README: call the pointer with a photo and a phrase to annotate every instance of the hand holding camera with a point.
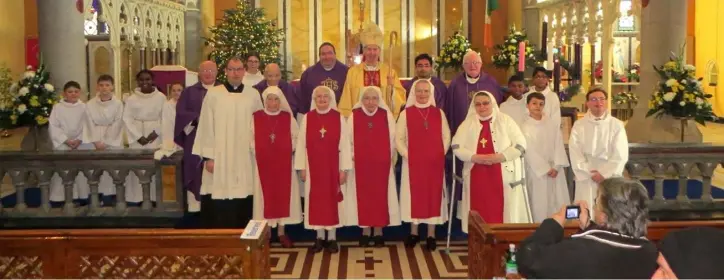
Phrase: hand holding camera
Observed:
(578, 211)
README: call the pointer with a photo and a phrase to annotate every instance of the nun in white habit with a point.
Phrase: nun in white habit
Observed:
(422, 137)
(372, 134)
(490, 144)
(269, 147)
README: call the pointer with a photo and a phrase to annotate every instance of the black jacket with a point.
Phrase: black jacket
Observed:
(593, 253)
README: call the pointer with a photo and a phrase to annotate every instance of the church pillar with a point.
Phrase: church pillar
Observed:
(659, 17)
(208, 19)
(194, 44)
(62, 42)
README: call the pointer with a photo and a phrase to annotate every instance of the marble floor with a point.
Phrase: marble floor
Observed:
(393, 261)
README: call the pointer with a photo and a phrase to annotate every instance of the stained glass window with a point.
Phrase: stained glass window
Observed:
(94, 23)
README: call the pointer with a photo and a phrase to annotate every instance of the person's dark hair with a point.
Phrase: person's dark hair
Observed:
(605, 94)
(326, 44)
(176, 83)
(146, 71)
(626, 205)
(105, 78)
(252, 55)
(515, 78)
(536, 95)
(540, 69)
(423, 56)
(71, 84)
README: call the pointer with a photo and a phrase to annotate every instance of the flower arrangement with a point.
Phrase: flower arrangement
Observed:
(7, 99)
(626, 98)
(598, 74)
(506, 55)
(679, 94)
(452, 52)
(34, 98)
(634, 72)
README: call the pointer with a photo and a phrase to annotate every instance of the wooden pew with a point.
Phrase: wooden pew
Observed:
(133, 254)
(488, 243)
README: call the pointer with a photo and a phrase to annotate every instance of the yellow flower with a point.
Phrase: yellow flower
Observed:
(51, 101)
(13, 117)
(34, 102)
(670, 65)
(41, 120)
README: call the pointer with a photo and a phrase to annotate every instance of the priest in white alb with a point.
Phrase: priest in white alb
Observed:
(223, 141)
(598, 147)
(422, 137)
(372, 181)
(490, 145)
(545, 160)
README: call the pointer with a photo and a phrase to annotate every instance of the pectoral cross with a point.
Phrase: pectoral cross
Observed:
(369, 125)
(425, 124)
(272, 137)
(322, 131)
(483, 142)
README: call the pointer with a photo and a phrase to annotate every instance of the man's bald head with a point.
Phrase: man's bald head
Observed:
(207, 72)
(272, 74)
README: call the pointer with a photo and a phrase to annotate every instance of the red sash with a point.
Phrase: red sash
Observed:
(372, 160)
(426, 161)
(323, 157)
(273, 160)
(486, 182)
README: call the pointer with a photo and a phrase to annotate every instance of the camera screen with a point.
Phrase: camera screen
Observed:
(572, 212)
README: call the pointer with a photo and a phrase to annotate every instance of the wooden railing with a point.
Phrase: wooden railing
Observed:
(133, 254)
(487, 243)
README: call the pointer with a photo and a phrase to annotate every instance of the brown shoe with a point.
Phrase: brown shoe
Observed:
(286, 242)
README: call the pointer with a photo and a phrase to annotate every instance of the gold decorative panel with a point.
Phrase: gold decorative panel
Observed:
(161, 267)
(393, 22)
(330, 23)
(425, 29)
(453, 16)
(21, 267)
(300, 26)
(271, 9)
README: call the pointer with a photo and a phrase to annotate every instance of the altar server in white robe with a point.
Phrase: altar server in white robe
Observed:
(490, 145)
(545, 160)
(66, 132)
(223, 141)
(104, 126)
(142, 119)
(323, 159)
(553, 104)
(515, 105)
(276, 192)
(598, 147)
(422, 137)
(371, 182)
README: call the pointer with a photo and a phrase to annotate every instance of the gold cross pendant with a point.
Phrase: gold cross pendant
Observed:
(272, 137)
(483, 142)
(322, 131)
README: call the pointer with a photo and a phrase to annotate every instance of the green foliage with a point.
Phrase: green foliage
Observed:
(34, 98)
(452, 53)
(506, 55)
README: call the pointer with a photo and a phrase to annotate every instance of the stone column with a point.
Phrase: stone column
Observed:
(659, 17)
(194, 44)
(62, 42)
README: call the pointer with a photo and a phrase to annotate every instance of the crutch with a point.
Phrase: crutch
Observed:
(452, 199)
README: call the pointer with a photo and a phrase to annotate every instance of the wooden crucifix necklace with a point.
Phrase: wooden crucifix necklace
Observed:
(424, 117)
(322, 131)
(273, 135)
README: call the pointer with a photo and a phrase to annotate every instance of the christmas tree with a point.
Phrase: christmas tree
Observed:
(245, 30)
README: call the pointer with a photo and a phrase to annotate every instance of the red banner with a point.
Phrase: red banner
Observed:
(32, 52)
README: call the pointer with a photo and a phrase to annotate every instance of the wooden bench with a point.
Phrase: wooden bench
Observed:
(488, 243)
(133, 254)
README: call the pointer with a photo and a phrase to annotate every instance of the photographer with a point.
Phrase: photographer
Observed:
(612, 245)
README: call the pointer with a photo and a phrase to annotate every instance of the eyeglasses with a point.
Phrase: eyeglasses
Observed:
(476, 63)
(207, 71)
(235, 69)
(597, 99)
(484, 103)
(253, 61)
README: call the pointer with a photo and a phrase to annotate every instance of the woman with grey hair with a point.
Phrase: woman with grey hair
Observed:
(611, 245)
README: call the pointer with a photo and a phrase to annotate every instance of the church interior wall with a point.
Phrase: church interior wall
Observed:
(709, 45)
(13, 33)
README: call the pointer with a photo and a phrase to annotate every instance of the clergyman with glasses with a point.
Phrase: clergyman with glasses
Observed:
(223, 141)
(188, 109)
(598, 146)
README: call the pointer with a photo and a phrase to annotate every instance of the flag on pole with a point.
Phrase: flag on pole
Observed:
(488, 30)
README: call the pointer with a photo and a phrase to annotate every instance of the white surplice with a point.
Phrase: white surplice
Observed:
(508, 141)
(251, 80)
(223, 135)
(350, 199)
(596, 144)
(104, 123)
(301, 161)
(66, 123)
(515, 109)
(168, 120)
(545, 152)
(402, 144)
(295, 205)
(552, 106)
(142, 116)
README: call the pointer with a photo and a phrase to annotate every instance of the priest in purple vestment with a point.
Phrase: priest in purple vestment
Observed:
(461, 89)
(328, 72)
(188, 109)
(423, 70)
(273, 77)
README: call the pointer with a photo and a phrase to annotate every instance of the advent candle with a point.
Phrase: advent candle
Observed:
(544, 40)
(578, 60)
(549, 59)
(556, 76)
(521, 56)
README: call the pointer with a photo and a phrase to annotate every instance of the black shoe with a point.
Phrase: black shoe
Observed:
(378, 241)
(412, 240)
(332, 246)
(431, 243)
(318, 245)
(364, 241)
